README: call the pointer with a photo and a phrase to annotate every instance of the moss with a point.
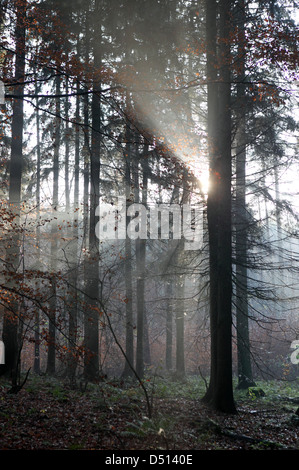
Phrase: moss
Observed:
(256, 392)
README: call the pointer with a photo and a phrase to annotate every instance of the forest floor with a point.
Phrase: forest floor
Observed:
(47, 414)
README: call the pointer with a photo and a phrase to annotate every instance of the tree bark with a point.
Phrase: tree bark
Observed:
(220, 392)
(212, 203)
(129, 363)
(10, 321)
(180, 326)
(74, 274)
(169, 325)
(38, 234)
(51, 359)
(245, 379)
(91, 359)
(140, 283)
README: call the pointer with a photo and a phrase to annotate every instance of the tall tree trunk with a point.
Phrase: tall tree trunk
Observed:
(10, 321)
(38, 234)
(51, 359)
(245, 379)
(91, 334)
(180, 301)
(223, 393)
(86, 153)
(279, 236)
(212, 203)
(129, 363)
(67, 150)
(92, 287)
(140, 268)
(220, 392)
(145, 173)
(73, 306)
(86, 144)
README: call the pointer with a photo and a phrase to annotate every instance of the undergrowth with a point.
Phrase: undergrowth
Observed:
(115, 412)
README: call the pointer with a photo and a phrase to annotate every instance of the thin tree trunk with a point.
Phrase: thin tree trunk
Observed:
(91, 359)
(51, 359)
(245, 379)
(67, 152)
(169, 326)
(280, 260)
(140, 268)
(180, 326)
(129, 363)
(129, 311)
(180, 303)
(73, 307)
(38, 235)
(146, 345)
(86, 145)
(92, 288)
(10, 321)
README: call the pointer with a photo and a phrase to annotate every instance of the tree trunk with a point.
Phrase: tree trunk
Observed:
(169, 326)
(129, 363)
(220, 393)
(38, 235)
(92, 288)
(245, 379)
(180, 326)
(145, 172)
(212, 204)
(51, 359)
(86, 145)
(91, 359)
(140, 268)
(67, 151)
(74, 275)
(180, 302)
(10, 321)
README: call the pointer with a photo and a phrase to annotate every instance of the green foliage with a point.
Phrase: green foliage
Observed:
(255, 392)
(275, 389)
(190, 388)
(59, 393)
(77, 446)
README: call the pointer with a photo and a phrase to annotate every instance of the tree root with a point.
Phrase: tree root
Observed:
(16, 388)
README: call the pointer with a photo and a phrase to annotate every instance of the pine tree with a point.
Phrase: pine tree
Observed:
(220, 394)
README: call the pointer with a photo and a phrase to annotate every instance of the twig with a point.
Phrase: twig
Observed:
(203, 378)
(17, 388)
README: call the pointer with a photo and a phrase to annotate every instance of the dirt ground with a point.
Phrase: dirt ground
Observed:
(52, 419)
